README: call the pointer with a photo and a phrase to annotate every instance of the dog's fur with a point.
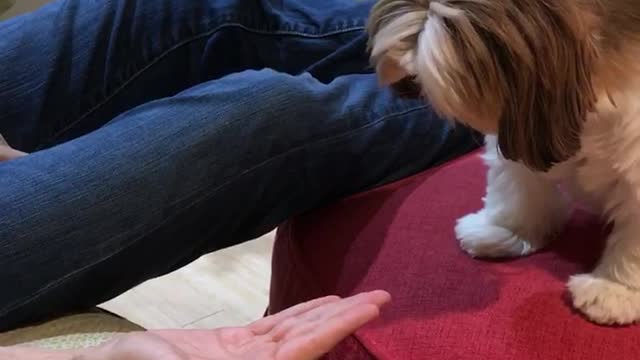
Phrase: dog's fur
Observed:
(555, 85)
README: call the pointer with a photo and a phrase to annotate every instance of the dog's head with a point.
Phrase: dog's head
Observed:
(521, 69)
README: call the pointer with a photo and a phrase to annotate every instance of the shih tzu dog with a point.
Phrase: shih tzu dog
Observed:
(552, 84)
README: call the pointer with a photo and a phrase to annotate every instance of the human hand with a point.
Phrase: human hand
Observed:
(303, 332)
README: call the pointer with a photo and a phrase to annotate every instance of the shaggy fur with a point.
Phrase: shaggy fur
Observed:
(553, 85)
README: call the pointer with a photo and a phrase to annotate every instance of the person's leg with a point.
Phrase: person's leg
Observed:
(216, 165)
(166, 182)
(73, 65)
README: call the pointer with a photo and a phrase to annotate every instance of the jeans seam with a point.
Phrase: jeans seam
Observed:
(206, 197)
(185, 42)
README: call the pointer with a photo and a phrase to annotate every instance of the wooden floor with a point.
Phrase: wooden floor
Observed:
(227, 288)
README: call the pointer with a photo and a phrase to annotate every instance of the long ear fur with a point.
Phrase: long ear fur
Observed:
(546, 104)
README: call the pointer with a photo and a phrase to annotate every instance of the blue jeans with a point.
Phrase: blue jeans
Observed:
(163, 130)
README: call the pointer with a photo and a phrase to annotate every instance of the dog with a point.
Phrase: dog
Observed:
(554, 85)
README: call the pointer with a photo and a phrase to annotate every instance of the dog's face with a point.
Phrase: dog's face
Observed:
(521, 69)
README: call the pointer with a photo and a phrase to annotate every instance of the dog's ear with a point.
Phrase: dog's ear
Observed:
(547, 100)
(389, 71)
(393, 28)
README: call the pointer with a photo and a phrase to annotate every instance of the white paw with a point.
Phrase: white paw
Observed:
(604, 301)
(480, 238)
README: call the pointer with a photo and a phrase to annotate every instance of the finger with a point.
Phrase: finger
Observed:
(266, 324)
(321, 314)
(321, 339)
(377, 298)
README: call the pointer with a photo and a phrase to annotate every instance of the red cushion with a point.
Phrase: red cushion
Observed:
(445, 304)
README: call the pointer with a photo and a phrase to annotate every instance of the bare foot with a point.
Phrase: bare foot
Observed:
(8, 153)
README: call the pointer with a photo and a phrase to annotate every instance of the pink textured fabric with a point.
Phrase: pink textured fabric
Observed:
(446, 305)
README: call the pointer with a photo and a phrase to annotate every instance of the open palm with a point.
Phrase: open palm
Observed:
(303, 332)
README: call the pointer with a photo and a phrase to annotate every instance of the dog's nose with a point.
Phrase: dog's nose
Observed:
(407, 88)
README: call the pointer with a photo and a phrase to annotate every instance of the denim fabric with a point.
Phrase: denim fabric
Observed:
(162, 130)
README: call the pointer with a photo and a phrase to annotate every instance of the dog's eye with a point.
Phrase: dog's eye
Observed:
(407, 88)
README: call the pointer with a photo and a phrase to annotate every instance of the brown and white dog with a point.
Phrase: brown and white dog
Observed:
(555, 86)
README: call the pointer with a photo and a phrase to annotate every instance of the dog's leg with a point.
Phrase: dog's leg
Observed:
(521, 210)
(611, 293)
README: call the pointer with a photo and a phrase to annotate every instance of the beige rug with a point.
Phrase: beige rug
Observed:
(71, 332)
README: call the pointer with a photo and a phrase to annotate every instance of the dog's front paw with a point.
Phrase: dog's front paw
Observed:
(481, 238)
(604, 301)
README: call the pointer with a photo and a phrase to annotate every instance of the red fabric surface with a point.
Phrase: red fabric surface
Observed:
(445, 305)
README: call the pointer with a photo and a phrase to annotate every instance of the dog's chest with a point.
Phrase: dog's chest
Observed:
(568, 177)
